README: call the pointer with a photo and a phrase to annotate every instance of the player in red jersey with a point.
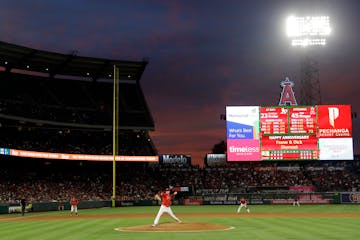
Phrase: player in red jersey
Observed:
(165, 198)
(74, 203)
(243, 203)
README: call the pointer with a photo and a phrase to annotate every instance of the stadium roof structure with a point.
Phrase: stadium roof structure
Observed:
(23, 58)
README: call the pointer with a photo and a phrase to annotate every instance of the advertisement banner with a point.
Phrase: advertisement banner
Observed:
(242, 129)
(193, 201)
(336, 148)
(215, 159)
(243, 150)
(302, 188)
(85, 157)
(334, 121)
(353, 197)
(242, 122)
(175, 159)
(4, 151)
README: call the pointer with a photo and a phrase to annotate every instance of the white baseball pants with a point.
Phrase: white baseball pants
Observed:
(162, 210)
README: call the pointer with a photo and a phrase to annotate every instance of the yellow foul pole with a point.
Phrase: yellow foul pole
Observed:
(115, 129)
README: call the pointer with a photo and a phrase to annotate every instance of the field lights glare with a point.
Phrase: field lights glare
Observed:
(308, 31)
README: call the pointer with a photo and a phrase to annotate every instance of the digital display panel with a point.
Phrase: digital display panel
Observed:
(75, 157)
(302, 120)
(257, 133)
(274, 120)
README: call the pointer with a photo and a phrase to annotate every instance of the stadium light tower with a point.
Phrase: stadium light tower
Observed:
(306, 32)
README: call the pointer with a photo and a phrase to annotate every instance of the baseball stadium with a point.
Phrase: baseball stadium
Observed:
(79, 127)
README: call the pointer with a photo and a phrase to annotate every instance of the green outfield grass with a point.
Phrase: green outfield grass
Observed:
(262, 223)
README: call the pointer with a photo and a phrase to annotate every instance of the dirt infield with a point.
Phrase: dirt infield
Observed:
(177, 227)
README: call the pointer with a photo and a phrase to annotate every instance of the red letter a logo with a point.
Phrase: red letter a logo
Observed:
(287, 95)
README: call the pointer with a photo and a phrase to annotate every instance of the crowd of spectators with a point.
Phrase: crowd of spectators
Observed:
(59, 180)
(71, 101)
(47, 138)
(70, 116)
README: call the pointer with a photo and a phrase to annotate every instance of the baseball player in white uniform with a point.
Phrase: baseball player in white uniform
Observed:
(165, 198)
(243, 203)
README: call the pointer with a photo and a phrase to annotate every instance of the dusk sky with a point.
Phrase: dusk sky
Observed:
(203, 55)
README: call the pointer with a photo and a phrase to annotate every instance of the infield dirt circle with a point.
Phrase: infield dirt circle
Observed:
(176, 227)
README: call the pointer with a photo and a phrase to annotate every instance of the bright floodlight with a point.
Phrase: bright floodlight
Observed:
(308, 31)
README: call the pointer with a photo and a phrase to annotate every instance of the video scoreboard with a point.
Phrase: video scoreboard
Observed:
(322, 132)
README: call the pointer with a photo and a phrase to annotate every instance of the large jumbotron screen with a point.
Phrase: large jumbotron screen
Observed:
(322, 132)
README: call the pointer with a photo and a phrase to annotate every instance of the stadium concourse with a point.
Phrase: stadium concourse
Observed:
(52, 102)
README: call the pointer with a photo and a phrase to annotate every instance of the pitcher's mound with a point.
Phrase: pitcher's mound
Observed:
(176, 227)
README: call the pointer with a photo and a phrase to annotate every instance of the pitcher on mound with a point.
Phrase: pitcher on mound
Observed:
(165, 198)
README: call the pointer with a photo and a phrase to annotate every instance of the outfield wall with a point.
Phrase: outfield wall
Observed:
(208, 199)
(50, 206)
(279, 198)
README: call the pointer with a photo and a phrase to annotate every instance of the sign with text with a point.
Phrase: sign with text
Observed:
(335, 121)
(242, 133)
(257, 133)
(75, 157)
(274, 120)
